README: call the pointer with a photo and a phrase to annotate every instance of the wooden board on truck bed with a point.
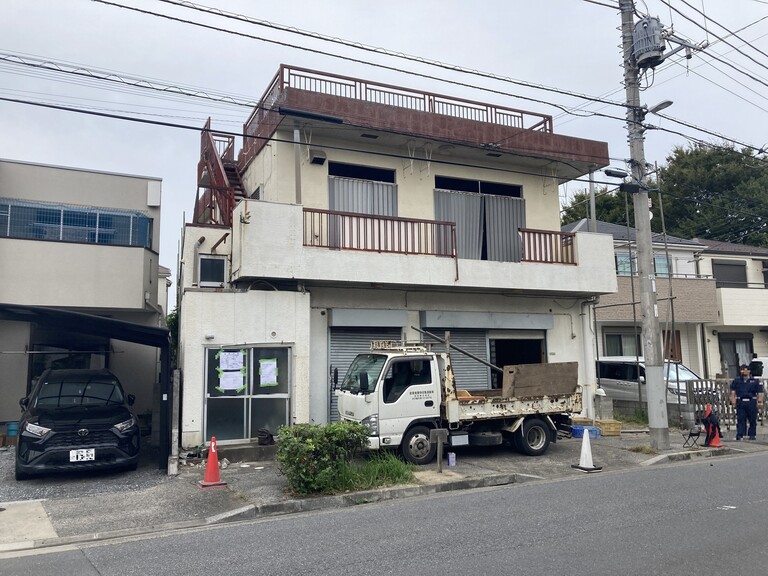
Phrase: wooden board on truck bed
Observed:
(534, 380)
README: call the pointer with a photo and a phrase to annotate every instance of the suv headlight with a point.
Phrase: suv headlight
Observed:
(372, 422)
(123, 426)
(36, 430)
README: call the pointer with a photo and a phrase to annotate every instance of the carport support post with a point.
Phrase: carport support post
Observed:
(439, 435)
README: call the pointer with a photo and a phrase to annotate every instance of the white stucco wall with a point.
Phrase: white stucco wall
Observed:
(241, 318)
(14, 337)
(273, 172)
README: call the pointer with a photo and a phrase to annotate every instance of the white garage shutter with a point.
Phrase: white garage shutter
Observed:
(469, 374)
(346, 343)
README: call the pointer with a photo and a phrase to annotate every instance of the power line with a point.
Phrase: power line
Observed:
(280, 140)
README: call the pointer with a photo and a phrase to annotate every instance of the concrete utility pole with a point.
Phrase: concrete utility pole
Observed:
(655, 388)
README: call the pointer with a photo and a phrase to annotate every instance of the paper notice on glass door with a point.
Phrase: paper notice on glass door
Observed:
(268, 372)
(231, 381)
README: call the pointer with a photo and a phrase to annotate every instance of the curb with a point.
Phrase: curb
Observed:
(691, 455)
(254, 511)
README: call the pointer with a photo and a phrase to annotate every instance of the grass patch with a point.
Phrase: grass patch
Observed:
(374, 470)
(639, 418)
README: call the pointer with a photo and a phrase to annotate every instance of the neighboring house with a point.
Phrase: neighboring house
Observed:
(359, 211)
(78, 241)
(716, 304)
(740, 329)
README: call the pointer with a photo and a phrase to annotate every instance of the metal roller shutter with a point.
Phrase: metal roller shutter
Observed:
(346, 343)
(469, 374)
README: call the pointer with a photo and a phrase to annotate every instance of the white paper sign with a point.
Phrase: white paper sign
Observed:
(231, 360)
(231, 381)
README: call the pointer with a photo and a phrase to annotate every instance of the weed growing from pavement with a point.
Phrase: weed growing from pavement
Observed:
(644, 449)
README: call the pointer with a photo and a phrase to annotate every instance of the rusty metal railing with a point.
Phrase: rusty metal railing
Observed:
(384, 234)
(265, 117)
(548, 247)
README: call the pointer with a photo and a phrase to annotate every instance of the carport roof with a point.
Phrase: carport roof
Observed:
(86, 324)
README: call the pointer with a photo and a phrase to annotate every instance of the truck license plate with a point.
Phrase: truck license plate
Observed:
(82, 455)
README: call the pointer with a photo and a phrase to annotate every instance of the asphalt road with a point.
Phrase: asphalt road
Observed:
(703, 517)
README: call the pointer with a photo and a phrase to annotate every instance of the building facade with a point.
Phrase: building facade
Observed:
(358, 211)
(81, 241)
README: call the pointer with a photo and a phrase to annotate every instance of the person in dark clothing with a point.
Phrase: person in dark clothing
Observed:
(711, 427)
(747, 398)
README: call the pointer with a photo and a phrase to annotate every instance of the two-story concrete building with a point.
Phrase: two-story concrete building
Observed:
(740, 329)
(358, 211)
(79, 241)
(686, 298)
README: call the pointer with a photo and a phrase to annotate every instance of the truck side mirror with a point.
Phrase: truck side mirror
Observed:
(23, 402)
(364, 382)
(335, 378)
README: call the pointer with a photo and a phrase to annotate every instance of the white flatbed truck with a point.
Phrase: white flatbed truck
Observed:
(402, 391)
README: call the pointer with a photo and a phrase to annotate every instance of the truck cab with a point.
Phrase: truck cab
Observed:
(388, 390)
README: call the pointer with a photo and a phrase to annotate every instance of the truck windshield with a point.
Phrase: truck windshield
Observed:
(371, 365)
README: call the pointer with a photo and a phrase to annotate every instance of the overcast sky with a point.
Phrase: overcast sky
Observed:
(570, 45)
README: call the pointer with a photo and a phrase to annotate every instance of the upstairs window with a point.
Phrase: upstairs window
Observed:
(212, 271)
(70, 223)
(730, 273)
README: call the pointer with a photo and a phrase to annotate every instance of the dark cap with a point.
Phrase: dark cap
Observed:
(744, 366)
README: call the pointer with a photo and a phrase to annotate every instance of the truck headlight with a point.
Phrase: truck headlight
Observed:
(372, 422)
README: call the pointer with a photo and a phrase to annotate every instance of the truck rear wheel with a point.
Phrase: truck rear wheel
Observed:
(532, 438)
(416, 447)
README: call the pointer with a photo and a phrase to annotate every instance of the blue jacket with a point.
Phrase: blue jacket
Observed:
(746, 388)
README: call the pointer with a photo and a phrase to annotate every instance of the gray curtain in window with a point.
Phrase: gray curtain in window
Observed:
(466, 210)
(504, 216)
(362, 196)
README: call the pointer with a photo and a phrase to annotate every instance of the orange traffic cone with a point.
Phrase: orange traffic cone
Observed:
(585, 462)
(211, 479)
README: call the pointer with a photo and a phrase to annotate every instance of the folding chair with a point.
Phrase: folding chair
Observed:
(691, 437)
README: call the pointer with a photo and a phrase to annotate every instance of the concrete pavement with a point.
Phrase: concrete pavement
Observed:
(71, 509)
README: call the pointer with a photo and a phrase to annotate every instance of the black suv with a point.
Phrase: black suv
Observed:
(76, 420)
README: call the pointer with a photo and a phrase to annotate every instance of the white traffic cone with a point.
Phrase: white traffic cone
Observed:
(585, 463)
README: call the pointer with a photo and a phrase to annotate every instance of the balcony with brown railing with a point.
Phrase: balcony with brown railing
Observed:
(386, 234)
(266, 116)
(289, 241)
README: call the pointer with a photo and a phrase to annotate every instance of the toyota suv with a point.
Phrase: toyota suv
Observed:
(76, 420)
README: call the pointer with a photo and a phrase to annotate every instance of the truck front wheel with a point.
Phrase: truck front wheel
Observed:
(532, 438)
(416, 447)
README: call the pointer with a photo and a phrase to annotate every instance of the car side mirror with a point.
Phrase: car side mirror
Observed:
(24, 402)
(130, 399)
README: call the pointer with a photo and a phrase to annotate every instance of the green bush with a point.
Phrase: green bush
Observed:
(313, 457)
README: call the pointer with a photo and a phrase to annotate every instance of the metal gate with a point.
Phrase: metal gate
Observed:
(345, 344)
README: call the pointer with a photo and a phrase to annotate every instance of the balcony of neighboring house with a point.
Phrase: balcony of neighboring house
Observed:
(743, 303)
(692, 297)
(290, 242)
(102, 252)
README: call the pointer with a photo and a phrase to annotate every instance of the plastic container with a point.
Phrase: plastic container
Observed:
(593, 431)
(12, 428)
(451, 458)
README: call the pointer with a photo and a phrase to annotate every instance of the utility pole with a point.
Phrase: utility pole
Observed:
(655, 388)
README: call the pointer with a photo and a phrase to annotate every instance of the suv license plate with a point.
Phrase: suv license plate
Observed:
(82, 455)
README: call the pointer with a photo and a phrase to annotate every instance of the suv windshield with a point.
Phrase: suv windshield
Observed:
(92, 393)
(371, 365)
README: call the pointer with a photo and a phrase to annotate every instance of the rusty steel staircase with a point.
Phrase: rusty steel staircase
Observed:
(218, 179)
